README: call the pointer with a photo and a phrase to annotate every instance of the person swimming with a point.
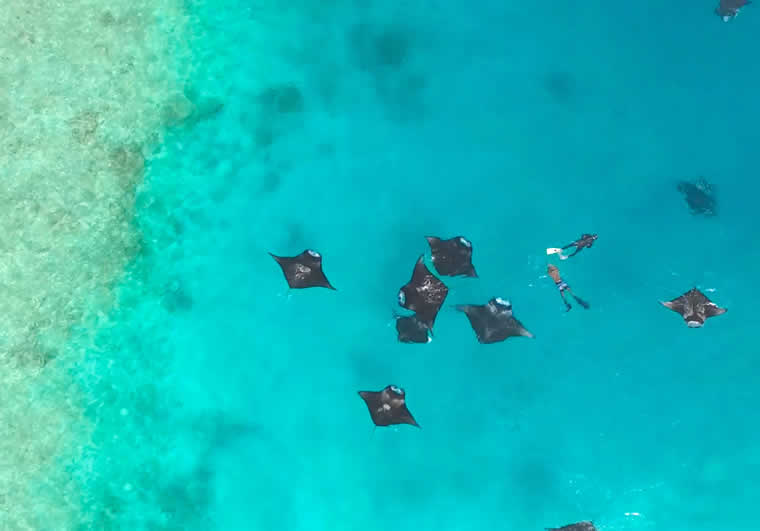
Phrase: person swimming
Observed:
(586, 240)
(562, 287)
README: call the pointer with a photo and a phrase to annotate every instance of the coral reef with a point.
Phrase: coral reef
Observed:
(79, 90)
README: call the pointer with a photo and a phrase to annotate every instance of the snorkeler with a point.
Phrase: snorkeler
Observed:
(562, 287)
(586, 240)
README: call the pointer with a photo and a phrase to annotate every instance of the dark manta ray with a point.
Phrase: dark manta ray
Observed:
(580, 526)
(411, 329)
(452, 257)
(728, 9)
(304, 270)
(388, 407)
(699, 196)
(694, 307)
(423, 294)
(493, 322)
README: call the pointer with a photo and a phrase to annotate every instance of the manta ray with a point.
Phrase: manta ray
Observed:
(388, 406)
(728, 9)
(493, 322)
(304, 270)
(694, 307)
(580, 526)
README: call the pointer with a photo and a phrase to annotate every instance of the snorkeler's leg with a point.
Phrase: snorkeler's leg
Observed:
(569, 245)
(580, 301)
(577, 250)
(567, 304)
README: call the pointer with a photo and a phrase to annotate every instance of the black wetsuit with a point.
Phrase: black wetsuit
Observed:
(586, 240)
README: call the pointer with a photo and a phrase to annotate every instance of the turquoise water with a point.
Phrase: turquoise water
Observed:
(223, 400)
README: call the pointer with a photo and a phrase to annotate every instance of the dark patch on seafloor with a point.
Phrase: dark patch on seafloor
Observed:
(176, 298)
(385, 54)
(561, 86)
(376, 49)
(274, 114)
(84, 125)
(284, 98)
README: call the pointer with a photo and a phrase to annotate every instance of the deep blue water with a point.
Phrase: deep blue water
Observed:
(224, 400)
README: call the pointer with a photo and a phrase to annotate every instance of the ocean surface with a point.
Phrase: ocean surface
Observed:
(159, 374)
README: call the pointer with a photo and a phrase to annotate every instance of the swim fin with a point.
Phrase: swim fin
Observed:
(581, 302)
(556, 250)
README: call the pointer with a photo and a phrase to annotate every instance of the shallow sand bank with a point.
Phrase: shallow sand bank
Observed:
(85, 89)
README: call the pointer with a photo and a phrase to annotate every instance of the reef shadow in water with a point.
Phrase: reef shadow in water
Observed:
(285, 98)
(273, 112)
(176, 298)
(191, 108)
(379, 49)
(186, 499)
(561, 86)
(269, 183)
(385, 54)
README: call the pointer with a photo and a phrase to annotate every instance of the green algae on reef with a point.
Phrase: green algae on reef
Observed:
(85, 89)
